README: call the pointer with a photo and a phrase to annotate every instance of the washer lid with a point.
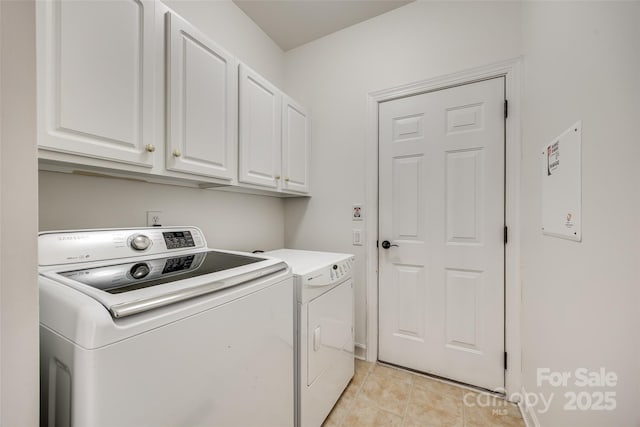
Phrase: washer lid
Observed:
(143, 284)
(119, 278)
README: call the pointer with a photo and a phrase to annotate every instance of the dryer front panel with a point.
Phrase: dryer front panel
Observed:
(330, 330)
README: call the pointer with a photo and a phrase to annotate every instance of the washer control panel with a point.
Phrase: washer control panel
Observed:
(178, 239)
(139, 242)
(68, 247)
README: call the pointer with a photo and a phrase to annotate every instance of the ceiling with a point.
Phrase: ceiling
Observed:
(291, 23)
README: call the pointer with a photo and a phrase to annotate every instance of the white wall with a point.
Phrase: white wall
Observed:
(229, 221)
(332, 77)
(581, 301)
(19, 392)
(232, 221)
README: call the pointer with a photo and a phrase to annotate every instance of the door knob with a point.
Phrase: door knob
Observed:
(176, 153)
(150, 148)
(386, 245)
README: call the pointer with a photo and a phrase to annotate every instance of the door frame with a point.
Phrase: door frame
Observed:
(511, 71)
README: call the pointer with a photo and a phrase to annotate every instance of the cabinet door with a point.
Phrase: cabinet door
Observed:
(296, 145)
(201, 103)
(260, 130)
(95, 79)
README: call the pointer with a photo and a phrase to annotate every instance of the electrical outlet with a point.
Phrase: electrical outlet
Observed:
(154, 218)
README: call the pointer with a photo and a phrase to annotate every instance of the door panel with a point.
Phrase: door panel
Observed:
(411, 314)
(442, 202)
(463, 289)
(95, 78)
(407, 173)
(260, 130)
(296, 144)
(202, 100)
(462, 194)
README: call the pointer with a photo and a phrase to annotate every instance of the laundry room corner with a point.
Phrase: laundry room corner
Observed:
(399, 47)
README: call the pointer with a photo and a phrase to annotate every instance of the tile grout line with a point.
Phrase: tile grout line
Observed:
(355, 396)
(406, 409)
(464, 412)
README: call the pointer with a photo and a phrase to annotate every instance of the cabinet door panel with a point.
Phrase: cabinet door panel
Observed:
(296, 138)
(260, 130)
(201, 103)
(95, 77)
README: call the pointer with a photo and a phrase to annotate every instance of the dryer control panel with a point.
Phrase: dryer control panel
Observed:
(330, 274)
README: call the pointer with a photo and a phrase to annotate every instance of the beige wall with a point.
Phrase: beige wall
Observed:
(19, 393)
(332, 77)
(581, 301)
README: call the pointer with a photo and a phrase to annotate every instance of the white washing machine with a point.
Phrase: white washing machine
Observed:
(149, 327)
(324, 334)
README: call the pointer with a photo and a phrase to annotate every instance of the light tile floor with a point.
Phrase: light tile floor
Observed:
(383, 396)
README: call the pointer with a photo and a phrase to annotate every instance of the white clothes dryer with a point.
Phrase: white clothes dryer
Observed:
(324, 346)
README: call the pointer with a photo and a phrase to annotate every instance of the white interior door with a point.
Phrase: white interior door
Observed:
(441, 296)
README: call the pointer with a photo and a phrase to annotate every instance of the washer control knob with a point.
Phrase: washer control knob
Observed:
(140, 242)
(139, 270)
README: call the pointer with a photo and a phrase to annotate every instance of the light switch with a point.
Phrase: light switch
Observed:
(358, 237)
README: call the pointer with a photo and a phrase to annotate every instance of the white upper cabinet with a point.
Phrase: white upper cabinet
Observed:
(260, 130)
(202, 101)
(296, 137)
(96, 78)
(129, 87)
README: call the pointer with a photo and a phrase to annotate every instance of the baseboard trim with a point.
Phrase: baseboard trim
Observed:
(361, 351)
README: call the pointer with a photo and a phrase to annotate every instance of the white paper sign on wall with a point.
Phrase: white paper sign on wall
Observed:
(561, 166)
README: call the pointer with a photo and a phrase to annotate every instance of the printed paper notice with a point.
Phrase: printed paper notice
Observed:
(553, 157)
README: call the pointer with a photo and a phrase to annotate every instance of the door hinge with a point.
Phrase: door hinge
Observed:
(505, 360)
(506, 234)
(506, 108)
